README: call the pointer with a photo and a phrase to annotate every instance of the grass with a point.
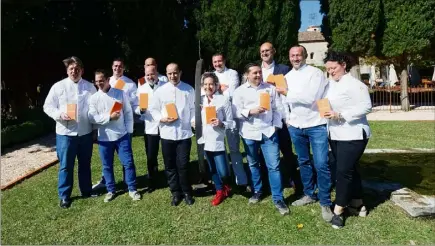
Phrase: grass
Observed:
(30, 212)
(402, 134)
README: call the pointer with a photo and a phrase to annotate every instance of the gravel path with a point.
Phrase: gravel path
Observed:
(25, 158)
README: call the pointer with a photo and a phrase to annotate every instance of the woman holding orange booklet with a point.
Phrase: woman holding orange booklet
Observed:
(216, 115)
(348, 132)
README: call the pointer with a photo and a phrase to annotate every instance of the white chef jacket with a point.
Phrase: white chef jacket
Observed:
(67, 92)
(247, 97)
(230, 78)
(349, 97)
(99, 114)
(214, 137)
(305, 87)
(183, 95)
(162, 78)
(130, 88)
(151, 125)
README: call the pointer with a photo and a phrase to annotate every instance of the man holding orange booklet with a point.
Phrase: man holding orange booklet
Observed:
(68, 103)
(229, 81)
(174, 106)
(257, 105)
(115, 125)
(145, 95)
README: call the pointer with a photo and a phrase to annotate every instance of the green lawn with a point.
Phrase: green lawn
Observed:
(30, 212)
(402, 134)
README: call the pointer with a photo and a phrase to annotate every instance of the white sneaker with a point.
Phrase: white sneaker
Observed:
(360, 211)
(99, 185)
(109, 197)
(134, 195)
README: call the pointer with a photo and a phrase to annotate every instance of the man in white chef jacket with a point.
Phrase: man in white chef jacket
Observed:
(229, 81)
(175, 131)
(129, 88)
(68, 103)
(152, 135)
(114, 130)
(306, 85)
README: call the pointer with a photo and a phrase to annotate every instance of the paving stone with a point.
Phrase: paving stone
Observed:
(413, 203)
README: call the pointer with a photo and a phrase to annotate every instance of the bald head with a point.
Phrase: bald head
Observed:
(150, 62)
(267, 52)
(173, 72)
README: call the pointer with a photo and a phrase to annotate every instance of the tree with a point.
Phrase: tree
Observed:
(398, 31)
(237, 28)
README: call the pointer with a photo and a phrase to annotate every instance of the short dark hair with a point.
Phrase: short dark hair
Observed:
(249, 65)
(304, 50)
(103, 72)
(118, 59)
(73, 60)
(341, 58)
(219, 54)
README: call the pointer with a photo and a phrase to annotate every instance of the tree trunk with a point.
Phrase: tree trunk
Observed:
(404, 99)
(355, 72)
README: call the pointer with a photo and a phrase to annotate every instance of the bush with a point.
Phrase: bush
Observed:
(21, 133)
(29, 124)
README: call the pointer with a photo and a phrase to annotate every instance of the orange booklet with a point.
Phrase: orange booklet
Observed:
(270, 79)
(210, 113)
(71, 111)
(119, 84)
(265, 100)
(323, 106)
(171, 109)
(143, 100)
(117, 107)
(280, 81)
(141, 81)
(224, 87)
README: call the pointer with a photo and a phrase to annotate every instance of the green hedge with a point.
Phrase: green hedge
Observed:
(30, 124)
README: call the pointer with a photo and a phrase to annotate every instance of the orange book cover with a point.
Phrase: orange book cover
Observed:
(143, 100)
(171, 109)
(119, 84)
(210, 113)
(224, 87)
(117, 107)
(71, 111)
(280, 81)
(271, 79)
(141, 81)
(323, 106)
(265, 100)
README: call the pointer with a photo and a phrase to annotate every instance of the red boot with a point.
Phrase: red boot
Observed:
(218, 198)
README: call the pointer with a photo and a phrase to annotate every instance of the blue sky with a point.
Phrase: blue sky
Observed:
(310, 14)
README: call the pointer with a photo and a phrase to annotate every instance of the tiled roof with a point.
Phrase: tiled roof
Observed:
(310, 36)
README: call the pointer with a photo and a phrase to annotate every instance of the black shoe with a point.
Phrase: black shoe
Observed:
(282, 207)
(189, 199)
(88, 195)
(175, 200)
(65, 203)
(256, 198)
(337, 221)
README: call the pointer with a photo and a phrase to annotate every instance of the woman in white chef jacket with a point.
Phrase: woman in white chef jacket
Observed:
(213, 135)
(348, 131)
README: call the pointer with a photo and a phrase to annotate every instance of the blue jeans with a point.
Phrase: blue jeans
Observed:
(217, 162)
(317, 137)
(107, 151)
(270, 150)
(67, 148)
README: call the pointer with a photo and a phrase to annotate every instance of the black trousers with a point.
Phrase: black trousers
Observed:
(347, 155)
(176, 156)
(152, 151)
(285, 145)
